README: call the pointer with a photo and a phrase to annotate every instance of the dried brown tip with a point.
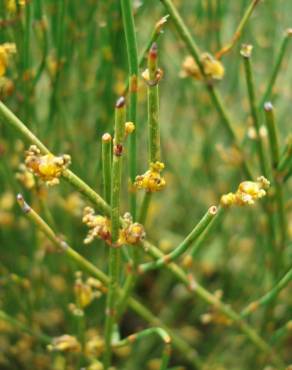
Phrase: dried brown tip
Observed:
(289, 32)
(23, 205)
(268, 106)
(213, 210)
(153, 51)
(121, 102)
(106, 138)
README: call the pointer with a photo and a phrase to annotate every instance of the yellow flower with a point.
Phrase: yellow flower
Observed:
(151, 180)
(247, 193)
(65, 343)
(48, 167)
(6, 50)
(100, 227)
(213, 68)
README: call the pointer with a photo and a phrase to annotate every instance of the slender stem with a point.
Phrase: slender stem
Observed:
(153, 106)
(214, 95)
(19, 325)
(7, 116)
(269, 296)
(202, 238)
(277, 67)
(129, 29)
(237, 34)
(281, 332)
(145, 207)
(157, 31)
(286, 158)
(275, 150)
(209, 298)
(114, 253)
(106, 165)
(186, 243)
(166, 339)
(189, 352)
(253, 107)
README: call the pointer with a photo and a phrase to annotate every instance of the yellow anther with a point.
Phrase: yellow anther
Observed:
(247, 193)
(213, 68)
(48, 167)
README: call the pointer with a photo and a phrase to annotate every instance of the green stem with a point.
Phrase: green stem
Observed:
(106, 165)
(114, 253)
(129, 29)
(189, 352)
(212, 300)
(275, 150)
(214, 95)
(237, 34)
(145, 334)
(10, 118)
(153, 106)
(270, 296)
(286, 158)
(253, 107)
(276, 69)
(145, 207)
(177, 252)
(19, 325)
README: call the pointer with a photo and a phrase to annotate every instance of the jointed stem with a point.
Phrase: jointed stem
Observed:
(114, 253)
(106, 148)
(214, 95)
(129, 28)
(226, 49)
(270, 296)
(7, 116)
(190, 354)
(144, 334)
(177, 252)
(275, 150)
(277, 67)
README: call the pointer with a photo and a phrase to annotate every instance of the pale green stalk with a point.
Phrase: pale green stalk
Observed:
(279, 60)
(166, 339)
(106, 149)
(269, 296)
(237, 34)
(216, 99)
(275, 151)
(130, 33)
(7, 116)
(185, 244)
(189, 352)
(114, 251)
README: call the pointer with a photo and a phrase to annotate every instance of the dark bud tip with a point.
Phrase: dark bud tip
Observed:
(268, 106)
(121, 102)
(153, 51)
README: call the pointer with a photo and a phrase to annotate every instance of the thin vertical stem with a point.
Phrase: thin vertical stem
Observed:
(129, 29)
(277, 67)
(238, 32)
(114, 253)
(106, 165)
(253, 108)
(275, 150)
(216, 99)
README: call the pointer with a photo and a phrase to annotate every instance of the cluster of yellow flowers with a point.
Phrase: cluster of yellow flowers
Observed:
(65, 343)
(151, 180)
(86, 291)
(48, 167)
(6, 50)
(100, 227)
(213, 68)
(247, 193)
